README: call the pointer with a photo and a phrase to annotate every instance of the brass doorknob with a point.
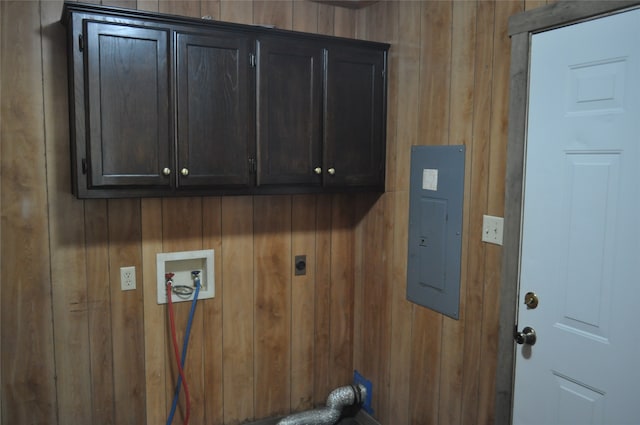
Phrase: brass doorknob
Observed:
(166, 171)
(184, 172)
(331, 171)
(317, 170)
(527, 336)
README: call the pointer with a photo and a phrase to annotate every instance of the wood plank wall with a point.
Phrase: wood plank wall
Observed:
(75, 349)
(449, 85)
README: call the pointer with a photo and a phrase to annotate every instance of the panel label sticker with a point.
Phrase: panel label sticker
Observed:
(430, 179)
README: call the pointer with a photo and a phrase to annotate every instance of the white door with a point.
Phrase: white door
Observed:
(580, 246)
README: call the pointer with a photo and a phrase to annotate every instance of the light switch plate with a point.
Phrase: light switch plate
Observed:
(492, 229)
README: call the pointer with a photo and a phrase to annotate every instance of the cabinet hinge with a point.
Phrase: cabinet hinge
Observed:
(84, 166)
(253, 168)
(81, 42)
(252, 60)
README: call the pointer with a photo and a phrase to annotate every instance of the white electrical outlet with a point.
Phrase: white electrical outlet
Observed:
(128, 278)
(492, 229)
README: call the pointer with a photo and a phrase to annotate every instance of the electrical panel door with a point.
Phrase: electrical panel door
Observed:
(435, 227)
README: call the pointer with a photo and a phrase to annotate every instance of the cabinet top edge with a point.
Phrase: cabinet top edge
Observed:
(71, 7)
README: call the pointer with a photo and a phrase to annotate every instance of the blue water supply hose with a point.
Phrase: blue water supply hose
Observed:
(176, 396)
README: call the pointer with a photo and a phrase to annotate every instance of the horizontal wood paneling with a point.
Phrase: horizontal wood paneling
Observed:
(270, 341)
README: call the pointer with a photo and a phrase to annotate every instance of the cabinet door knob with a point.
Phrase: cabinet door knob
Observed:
(166, 171)
(331, 171)
(184, 172)
(317, 170)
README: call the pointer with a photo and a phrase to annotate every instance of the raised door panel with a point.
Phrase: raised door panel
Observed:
(289, 112)
(354, 126)
(214, 110)
(128, 97)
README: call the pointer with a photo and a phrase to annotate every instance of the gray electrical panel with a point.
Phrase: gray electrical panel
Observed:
(435, 227)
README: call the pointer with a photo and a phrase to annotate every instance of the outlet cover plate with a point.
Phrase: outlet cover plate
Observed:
(128, 278)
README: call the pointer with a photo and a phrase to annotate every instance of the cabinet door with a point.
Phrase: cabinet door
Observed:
(289, 112)
(214, 113)
(128, 97)
(354, 126)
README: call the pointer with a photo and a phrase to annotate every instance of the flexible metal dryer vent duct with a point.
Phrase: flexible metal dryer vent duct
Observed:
(338, 399)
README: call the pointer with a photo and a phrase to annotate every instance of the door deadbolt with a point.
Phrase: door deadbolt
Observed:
(527, 336)
(531, 300)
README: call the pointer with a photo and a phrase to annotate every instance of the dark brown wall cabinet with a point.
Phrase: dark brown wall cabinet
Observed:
(164, 105)
(320, 114)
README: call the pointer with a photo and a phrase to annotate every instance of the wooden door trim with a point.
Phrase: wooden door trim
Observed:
(521, 27)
